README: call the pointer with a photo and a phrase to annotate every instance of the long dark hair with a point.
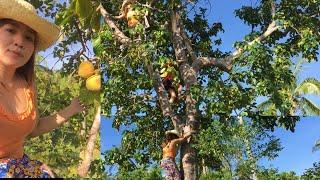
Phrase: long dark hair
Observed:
(169, 137)
(27, 70)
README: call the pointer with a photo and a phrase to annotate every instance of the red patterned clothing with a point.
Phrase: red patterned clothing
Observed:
(171, 169)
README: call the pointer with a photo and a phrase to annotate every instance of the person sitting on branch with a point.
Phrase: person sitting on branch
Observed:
(170, 80)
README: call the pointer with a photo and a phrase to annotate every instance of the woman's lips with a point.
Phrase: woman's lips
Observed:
(18, 53)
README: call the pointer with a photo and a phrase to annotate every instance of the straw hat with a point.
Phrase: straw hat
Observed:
(173, 132)
(24, 12)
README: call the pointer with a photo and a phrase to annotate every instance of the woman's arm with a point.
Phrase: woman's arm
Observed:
(47, 124)
(182, 139)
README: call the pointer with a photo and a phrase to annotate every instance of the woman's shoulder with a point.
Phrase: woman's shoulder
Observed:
(30, 87)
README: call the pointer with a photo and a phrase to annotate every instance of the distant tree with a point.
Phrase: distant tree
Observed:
(312, 173)
(309, 86)
(235, 148)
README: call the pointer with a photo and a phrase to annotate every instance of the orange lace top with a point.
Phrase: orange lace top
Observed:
(169, 152)
(14, 128)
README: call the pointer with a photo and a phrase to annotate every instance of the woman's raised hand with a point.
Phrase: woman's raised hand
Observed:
(77, 106)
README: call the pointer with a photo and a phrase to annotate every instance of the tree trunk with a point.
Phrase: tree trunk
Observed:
(251, 158)
(189, 164)
(83, 168)
(205, 169)
(189, 78)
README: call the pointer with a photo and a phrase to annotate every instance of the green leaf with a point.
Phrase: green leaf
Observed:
(83, 8)
(97, 42)
(95, 21)
(309, 107)
(309, 86)
(66, 17)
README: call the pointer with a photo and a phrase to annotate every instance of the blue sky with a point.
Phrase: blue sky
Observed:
(296, 155)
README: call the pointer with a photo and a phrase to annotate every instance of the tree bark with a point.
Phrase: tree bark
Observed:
(189, 162)
(85, 164)
(164, 99)
(188, 75)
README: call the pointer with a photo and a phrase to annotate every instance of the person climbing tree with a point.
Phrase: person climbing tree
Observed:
(168, 85)
(170, 148)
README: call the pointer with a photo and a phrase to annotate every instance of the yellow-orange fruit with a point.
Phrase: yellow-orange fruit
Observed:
(131, 14)
(97, 71)
(93, 83)
(86, 69)
(132, 22)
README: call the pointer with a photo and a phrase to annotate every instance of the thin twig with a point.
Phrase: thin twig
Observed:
(80, 35)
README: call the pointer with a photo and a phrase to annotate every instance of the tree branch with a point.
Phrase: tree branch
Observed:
(187, 73)
(85, 165)
(118, 34)
(273, 9)
(148, 5)
(84, 47)
(188, 45)
(163, 98)
(146, 22)
(225, 64)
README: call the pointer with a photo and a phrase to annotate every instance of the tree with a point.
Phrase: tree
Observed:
(235, 147)
(263, 174)
(309, 86)
(174, 37)
(141, 173)
(312, 173)
(67, 147)
(273, 174)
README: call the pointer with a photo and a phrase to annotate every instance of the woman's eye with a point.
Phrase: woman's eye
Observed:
(30, 38)
(10, 30)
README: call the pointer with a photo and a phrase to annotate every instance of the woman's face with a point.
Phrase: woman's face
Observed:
(17, 43)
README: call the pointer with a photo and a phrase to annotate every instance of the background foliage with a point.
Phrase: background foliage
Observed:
(63, 148)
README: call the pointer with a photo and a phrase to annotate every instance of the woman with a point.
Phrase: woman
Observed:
(22, 34)
(170, 148)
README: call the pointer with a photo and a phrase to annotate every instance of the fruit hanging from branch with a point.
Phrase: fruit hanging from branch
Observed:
(93, 79)
(132, 17)
(86, 69)
(93, 83)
